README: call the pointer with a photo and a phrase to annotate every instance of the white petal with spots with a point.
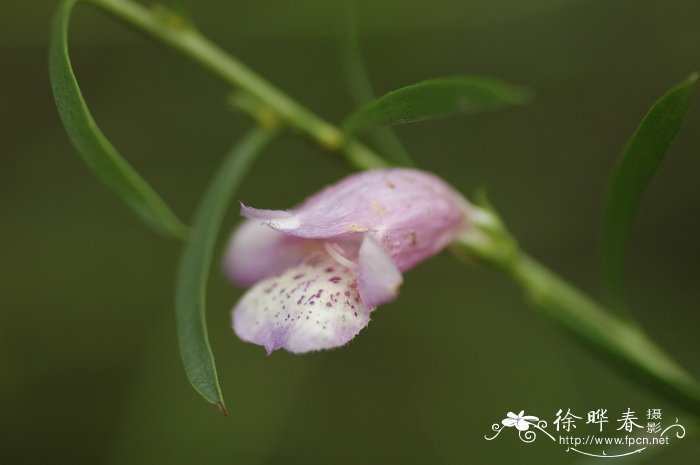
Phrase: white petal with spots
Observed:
(311, 306)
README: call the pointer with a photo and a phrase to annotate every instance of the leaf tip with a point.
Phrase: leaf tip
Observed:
(222, 408)
(525, 96)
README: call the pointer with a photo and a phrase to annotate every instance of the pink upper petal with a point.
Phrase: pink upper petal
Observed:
(379, 278)
(278, 219)
(411, 214)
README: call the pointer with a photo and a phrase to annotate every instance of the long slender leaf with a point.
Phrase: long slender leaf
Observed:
(100, 155)
(196, 262)
(638, 164)
(434, 98)
(359, 83)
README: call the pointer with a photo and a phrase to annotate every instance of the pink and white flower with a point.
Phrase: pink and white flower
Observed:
(316, 272)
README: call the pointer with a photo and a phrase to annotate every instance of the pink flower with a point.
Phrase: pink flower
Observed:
(317, 271)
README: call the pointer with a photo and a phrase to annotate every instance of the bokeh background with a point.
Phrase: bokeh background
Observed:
(90, 371)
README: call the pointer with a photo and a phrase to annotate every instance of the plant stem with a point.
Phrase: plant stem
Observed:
(489, 241)
(172, 31)
(624, 340)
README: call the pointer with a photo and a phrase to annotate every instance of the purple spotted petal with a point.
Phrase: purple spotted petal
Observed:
(379, 279)
(312, 306)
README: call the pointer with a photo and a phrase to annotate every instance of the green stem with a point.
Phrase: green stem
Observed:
(187, 40)
(489, 241)
(625, 341)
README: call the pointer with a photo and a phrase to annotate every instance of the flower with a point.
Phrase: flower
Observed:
(520, 421)
(317, 271)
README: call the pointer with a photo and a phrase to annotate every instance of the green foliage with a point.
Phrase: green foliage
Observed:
(196, 262)
(638, 164)
(99, 154)
(434, 98)
(360, 85)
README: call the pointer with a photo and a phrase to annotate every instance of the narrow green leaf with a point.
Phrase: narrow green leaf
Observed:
(102, 158)
(359, 83)
(434, 98)
(638, 164)
(195, 263)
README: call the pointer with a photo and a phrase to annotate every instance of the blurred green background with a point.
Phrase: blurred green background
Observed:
(90, 367)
